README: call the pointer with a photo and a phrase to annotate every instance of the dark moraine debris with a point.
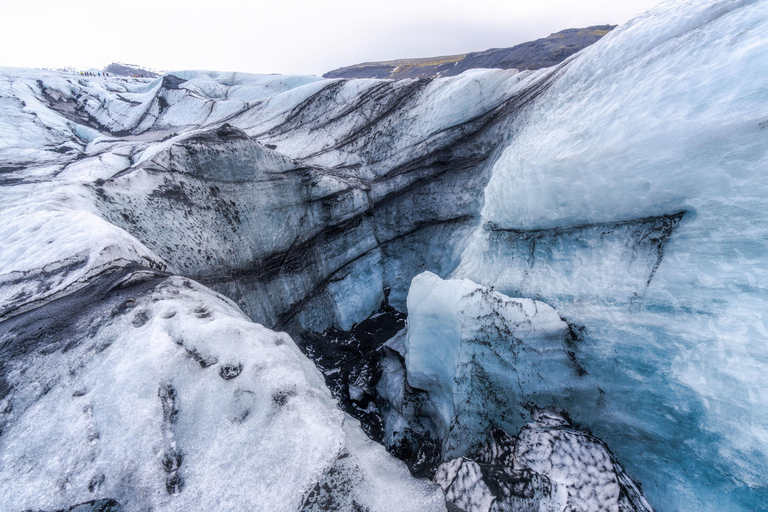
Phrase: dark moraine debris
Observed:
(349, 360)
(353, 363)
(107, 505)
(230, 371)
(172, 82)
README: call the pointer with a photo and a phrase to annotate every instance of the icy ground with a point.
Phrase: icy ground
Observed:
(164, 396)
(146, 224)
(122, 382)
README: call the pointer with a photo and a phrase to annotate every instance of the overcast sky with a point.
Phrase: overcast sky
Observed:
(280, 36)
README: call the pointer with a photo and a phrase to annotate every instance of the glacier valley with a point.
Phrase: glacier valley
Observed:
(497, 291)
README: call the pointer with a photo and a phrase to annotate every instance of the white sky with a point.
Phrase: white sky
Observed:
(288, 36)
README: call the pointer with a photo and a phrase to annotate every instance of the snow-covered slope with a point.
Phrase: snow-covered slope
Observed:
(160, 394)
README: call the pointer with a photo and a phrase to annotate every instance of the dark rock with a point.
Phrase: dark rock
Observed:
(172, 82)
(230, 371)
(117, 68)
(541, 53)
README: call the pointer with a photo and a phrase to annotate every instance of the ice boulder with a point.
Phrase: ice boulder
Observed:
(483, 356)
(585, 475)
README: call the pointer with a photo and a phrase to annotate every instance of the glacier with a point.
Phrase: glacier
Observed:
(631, 201)
(122, 199)
(588, 237)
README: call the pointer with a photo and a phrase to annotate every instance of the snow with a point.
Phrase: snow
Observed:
(177, 395)
(54, 243)
(680, 101)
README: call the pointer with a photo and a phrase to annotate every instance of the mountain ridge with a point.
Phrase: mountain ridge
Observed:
(531, 55)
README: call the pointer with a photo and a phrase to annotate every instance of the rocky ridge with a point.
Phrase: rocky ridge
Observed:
(541, 53)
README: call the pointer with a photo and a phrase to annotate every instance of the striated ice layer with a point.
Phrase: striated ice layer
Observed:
(54, 241)
(485, 359)
(632, 200)
(297, 197)
(158, 393)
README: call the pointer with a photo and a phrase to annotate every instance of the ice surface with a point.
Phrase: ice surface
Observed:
(174, 400)
(582, 471)
(632, 199)
(54, 242)
(626, 192)
(483, 356)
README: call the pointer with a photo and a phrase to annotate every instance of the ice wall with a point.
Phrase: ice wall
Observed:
(485, 359)
(299, 198)
(632, 200)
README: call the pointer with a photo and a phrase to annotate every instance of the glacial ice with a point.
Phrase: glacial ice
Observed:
(550, 466)
(625, 205)
(632, 200)
(483, 357)
(102, 177)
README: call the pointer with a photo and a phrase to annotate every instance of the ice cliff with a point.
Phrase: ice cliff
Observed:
(632, 201)
(598, 229)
